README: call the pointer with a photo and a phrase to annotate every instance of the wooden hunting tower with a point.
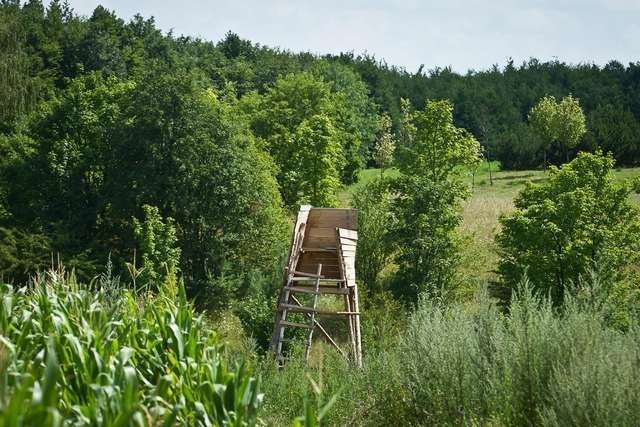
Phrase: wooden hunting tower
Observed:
(321, 262)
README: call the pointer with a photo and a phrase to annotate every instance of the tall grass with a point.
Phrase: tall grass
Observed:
(532, 366)
(471, 364)
(101, 355)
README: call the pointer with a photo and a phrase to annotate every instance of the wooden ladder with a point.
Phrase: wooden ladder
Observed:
(290, 304)
(285, 306)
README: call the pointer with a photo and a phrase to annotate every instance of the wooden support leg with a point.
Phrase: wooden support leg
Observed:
(313, 313)
(350, 324)
(356, 308)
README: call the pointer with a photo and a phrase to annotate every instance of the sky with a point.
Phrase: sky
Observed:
(462, 34)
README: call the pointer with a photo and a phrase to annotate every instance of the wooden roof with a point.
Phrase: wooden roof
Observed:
(329, 237)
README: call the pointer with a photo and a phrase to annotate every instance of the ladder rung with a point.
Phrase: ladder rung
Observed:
(296, 308)
(313, 281)
(322, 290)
(303, 274)
(331, 266)
(294, 324)
(337, 313)
(327, 249)
(300, 309)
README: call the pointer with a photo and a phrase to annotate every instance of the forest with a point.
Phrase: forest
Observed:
(148, 187)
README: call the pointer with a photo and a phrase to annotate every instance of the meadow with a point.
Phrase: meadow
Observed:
(490, 197)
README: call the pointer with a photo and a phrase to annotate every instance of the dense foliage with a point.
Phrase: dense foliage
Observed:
(494, 104)
(88, 161)
(411, 219)
(108, 85)
(473, 365)
(581, 218)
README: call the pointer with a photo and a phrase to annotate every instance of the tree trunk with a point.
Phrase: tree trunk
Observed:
(489, 164)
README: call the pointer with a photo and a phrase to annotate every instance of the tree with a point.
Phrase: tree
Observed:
(385, 145)
(615, 130)
(542, 118)
(374, 202)
(101, 48)
(425, 243)
(427, 197)
(436, 148)
(297, 119)
(22, 85)
(579, 219)
(562, 122)
(571, 123)
(319, 158)
(354, 114)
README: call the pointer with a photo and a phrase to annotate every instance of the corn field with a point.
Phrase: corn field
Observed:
(103, 355)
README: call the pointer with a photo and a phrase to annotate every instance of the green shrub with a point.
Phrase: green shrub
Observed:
(473, 365)
(373, 202)
(158, 246)
(293, 390)
(579, 218)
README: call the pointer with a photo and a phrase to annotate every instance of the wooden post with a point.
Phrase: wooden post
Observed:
(356, 308)
(313, 313)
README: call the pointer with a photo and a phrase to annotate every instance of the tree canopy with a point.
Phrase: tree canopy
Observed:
(579, 220)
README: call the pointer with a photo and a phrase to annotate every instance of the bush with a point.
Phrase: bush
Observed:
(157, 241)
(463, 365)
(471, 364)
(373, 202)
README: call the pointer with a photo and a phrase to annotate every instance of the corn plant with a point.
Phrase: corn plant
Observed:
(88, 355)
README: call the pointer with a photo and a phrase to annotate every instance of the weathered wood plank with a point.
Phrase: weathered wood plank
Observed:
(304, 274)
(329, 217)
(321, 290)
(323, 282)
(348, 242)
(298, 309)
(315, 231)
(304, 265)
(295, 325)
(348, 234)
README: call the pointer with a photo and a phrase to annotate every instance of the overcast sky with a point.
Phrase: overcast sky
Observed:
(464, 34)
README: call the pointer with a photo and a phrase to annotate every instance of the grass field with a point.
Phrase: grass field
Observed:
(482, 210)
